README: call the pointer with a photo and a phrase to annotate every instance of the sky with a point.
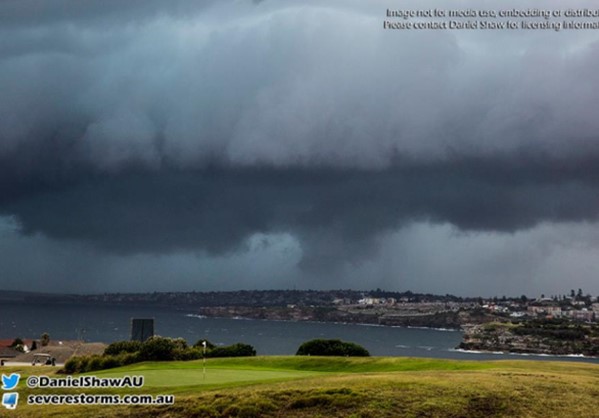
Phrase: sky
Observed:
(235, 144)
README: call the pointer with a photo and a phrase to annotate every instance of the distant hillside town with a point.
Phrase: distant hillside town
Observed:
(371, 307)
(559, 324)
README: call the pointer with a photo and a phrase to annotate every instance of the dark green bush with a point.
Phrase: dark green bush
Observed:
(235, 350)
(83, 364)
(155, 348)
(321, 347)
(95, 363)
(72, 365)
(209, 345)
(128, 358)
(122, 347)
(17, 342)
(187, 354)
(160, 348)
(110, 362)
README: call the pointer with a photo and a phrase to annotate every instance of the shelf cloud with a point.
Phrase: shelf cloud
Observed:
(150, 129)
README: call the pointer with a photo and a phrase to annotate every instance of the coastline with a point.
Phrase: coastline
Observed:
(531, 354)
(309, 321)
(540, 337)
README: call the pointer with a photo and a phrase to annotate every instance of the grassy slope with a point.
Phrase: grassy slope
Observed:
(343, 387)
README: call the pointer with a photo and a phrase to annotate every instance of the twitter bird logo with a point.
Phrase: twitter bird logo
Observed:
(10, 382)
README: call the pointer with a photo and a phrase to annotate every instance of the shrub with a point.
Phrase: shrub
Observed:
(199, 344)
(122, 347)
(188, 354)
(17, 341)
(110, 362)
(18, 345)
(95, 363)
(321, 347)
(83, 364)
(128, 358)
(158, 349)
(180, 343)
(235, 350)
(72, 365)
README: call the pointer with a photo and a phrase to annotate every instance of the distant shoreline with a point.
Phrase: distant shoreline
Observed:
(365, 324)
(509, 353)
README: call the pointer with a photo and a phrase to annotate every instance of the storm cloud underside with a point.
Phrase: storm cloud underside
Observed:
(146, 130)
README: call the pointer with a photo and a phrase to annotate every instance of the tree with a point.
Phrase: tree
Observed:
(120, 347)
(320, 347)
(18, 344)
(200, 344)
(45, 339)
(34, 345)
(158, 348)
(235, 350)
(17, 341)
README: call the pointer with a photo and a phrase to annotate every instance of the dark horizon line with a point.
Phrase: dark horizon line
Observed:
(4, 292)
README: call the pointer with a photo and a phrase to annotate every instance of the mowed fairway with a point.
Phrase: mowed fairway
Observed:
(172, 375)
(346, 387)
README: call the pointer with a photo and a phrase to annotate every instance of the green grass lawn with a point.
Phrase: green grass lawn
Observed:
(166, 375)
(277, 386)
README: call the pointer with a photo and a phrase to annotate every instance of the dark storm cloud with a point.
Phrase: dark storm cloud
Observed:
(154, 127)
(337, 214)
(41, 12)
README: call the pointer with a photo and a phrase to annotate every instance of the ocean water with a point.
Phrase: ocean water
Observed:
(108, 324)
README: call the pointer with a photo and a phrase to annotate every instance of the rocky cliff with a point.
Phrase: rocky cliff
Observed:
(534, 336)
